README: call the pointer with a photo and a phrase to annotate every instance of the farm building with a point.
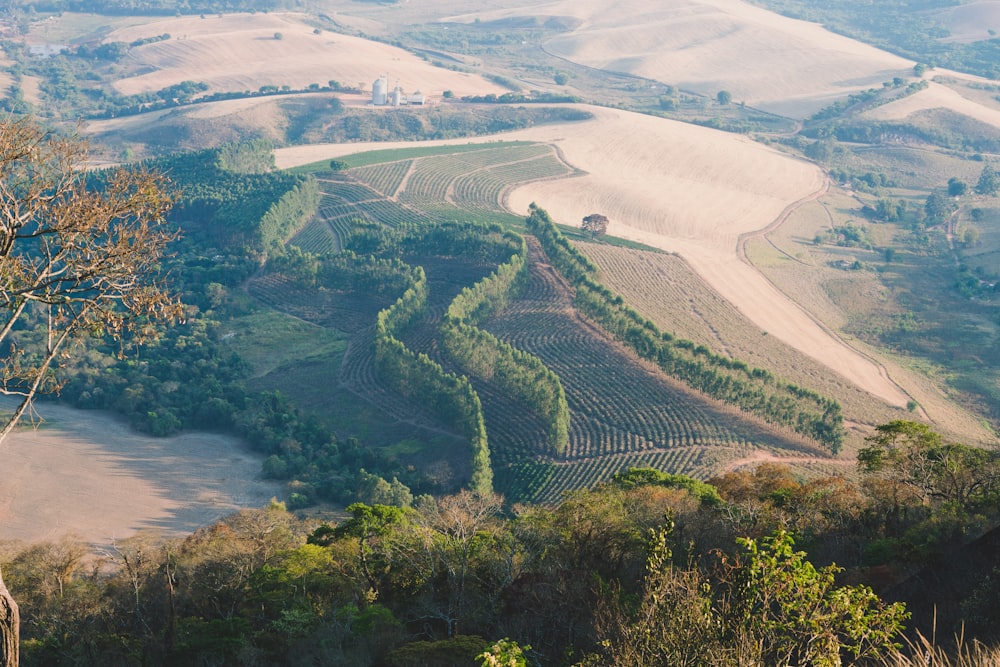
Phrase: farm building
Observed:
(381, 96)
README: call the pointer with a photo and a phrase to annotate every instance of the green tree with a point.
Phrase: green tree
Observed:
(724, 97)
(504, 653)
(371, 524)
(989, 182)
(596, 224)
(937, 209)
(957, 187)
(780, 610)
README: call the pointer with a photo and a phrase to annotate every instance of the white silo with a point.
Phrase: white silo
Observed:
(380, 91)
(397, 96)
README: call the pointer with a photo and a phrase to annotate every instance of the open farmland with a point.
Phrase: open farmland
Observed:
(241, 52)
(87, 474)
(619, 405)
(685, 189)
(785, 66)
(954, 97)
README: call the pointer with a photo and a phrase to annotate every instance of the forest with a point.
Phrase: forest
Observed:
(750, 567)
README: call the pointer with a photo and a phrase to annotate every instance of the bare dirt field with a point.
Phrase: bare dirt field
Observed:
(237, 52)
(937, 96)
(88, 475)
(771, 62)
(686, 189)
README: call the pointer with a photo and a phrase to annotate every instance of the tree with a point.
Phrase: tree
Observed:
(10, 622)
(957, 187)
(79, 255)
(724, 97)
(937, 209)
(596, 224)
(989, 182)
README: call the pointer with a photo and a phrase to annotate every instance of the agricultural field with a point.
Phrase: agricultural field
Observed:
(759, 272)
(622, 410)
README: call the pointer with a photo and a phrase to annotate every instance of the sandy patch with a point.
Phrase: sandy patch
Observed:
(686, 189)
(239, 52)
(87, 474)
(936, 96)
(31, 89)
(771, 62)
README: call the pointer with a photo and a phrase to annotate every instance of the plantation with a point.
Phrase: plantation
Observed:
(616, 409)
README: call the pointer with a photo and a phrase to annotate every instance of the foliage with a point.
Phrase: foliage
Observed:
(594, 577)
(723, 378)
(504, 653)
(596, 224)
(782, 610)
(522, 375)
(418, 376)
(77, 259)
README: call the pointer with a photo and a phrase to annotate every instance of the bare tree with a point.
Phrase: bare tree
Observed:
(10, 621)
(75, 259)
(79, 257)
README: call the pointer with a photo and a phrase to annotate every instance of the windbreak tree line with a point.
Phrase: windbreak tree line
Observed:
(482, 354)
(732, 381)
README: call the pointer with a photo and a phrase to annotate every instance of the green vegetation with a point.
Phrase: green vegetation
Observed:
(480, 353)
(729, 380)
(647, 569)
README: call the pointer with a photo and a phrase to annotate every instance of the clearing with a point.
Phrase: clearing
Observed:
(87, 474)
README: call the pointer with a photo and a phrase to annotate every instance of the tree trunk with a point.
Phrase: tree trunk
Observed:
(10, 622)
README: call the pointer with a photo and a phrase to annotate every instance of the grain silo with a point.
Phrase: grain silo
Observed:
(380, 91)
(397, 96)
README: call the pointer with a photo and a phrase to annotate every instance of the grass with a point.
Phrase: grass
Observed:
(268, 340)
(369, 158)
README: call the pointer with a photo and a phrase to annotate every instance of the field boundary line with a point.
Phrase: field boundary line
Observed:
(775, 224)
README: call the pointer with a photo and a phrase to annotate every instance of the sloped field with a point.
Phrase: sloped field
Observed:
(237, 52)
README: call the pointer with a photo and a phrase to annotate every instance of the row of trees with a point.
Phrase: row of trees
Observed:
(518, 373)
(732, 381)
(417, 376)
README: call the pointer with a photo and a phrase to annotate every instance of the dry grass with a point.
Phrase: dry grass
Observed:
(937, 96)
(665, 289)
(970, 22)
(924, 652)
(240, 52)
(771, 62)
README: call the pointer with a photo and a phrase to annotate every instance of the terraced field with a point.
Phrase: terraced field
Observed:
(664, 288)
(623, 412)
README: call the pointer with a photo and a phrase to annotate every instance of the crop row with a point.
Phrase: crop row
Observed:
(546, 482)
(390, 213)
(483, 355)
(617, 404)
(724, 378)
(348, 190)
(385, 177)
(417, 376)
(317, 237)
